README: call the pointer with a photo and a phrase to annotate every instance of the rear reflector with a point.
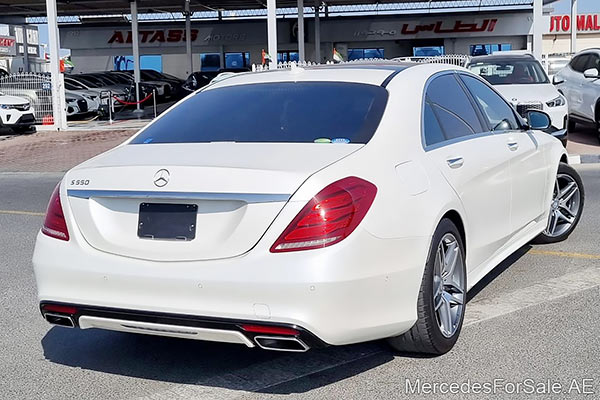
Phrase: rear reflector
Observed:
(270, 330)
(55, 225)
(330, 217)
(59, 309)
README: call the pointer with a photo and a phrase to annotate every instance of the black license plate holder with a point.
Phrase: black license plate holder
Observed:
(163, 221)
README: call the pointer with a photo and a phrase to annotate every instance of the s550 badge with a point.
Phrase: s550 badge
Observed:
(80, 182)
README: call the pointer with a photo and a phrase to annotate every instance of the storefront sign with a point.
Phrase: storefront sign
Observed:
(585, 23)
(8, 46)
(152, 36)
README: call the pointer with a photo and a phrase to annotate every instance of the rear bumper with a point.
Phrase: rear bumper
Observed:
(174, 325)
(361, 289)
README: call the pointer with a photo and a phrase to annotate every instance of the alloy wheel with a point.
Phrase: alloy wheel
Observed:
(448, 285)
(565, 206)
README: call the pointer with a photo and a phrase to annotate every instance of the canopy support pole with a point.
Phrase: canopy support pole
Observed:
(135, 33)
(574, 26)
(301, 52)
(59, 105)
(272, 32)
(188, 38)
(317, 32)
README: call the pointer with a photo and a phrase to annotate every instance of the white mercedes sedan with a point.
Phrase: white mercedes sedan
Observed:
(295, 209)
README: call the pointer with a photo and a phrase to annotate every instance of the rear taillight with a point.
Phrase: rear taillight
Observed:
(270, 330)
(59, 309)
(55, 225)
(329, 217)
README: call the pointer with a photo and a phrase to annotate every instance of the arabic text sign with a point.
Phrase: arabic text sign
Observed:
(8, 46)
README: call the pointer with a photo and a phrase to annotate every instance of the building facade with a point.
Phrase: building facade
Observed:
(239, 43)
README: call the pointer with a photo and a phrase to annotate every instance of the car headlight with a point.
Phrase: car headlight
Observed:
(557, 102)
(5, 107)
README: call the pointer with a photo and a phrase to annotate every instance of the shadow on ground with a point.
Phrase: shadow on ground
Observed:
(226, 366)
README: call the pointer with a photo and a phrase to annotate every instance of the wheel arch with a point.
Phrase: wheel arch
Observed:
(457, 220)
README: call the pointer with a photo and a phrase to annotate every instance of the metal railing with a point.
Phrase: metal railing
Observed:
(36, 88)
(455, 59)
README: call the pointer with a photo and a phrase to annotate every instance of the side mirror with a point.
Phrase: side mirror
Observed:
(591, 73)
(557, 80)
(538, 120)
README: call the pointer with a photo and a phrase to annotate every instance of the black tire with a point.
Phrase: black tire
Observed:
(571, 125)
(545, 237)
(425, 337)
(23, 129)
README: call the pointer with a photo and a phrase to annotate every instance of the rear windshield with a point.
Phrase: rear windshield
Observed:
(302, 112)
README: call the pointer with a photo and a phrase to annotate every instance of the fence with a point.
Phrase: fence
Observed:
(454, 59)
(36, 88)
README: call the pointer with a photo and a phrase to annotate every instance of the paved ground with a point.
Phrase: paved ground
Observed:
(52, 151)
(48, 151)
(535, 317)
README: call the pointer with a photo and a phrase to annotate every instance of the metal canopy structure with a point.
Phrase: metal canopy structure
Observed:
(37, 8)
(53, 9)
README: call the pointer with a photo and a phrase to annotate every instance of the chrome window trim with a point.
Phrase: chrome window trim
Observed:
(448, 142)
(135, 194)
(476, 106)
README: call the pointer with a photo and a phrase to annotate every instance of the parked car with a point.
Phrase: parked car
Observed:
(555, 62)
(580, 83)
(125, 78)
(81, 103)
(16, 113)
(199, 79)
(92, 85)
(327, 205)
(171, 84)
(521, 79)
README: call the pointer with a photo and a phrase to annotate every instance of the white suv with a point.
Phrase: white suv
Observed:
(16, 113)
(579, 82)
(522, 81)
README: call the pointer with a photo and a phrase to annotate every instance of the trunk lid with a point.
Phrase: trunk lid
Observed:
(238, 188)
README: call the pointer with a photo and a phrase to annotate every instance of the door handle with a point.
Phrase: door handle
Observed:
(512, 146)
(455, 162)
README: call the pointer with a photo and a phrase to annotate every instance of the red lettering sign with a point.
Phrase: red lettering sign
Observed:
(459, 27)
(585, 23)
(154, 36)
(7, 42)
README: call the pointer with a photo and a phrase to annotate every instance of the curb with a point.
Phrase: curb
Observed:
(584, 158)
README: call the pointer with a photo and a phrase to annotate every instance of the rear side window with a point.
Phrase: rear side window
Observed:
(499, 114)
(449, 110)
(593, 61)
(298, 112)
(578, 63)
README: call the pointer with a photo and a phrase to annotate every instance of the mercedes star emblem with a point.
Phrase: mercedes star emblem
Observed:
(161, 178)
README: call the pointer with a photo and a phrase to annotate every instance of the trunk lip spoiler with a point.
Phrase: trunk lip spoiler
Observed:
(143, 194)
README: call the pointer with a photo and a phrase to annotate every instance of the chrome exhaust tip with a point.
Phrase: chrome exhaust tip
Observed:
(281, 343)
(60, 320)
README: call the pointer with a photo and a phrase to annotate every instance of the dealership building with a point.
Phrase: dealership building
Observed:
(239, 43)
(181, 36)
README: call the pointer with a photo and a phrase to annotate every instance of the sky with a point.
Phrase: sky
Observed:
(560, 7)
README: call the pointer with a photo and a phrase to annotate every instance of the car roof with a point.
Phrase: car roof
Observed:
(366, 72)
(497, 57)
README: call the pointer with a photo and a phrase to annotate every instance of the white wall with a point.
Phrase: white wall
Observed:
(562, 43)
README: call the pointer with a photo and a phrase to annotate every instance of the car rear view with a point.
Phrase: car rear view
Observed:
(211, 224)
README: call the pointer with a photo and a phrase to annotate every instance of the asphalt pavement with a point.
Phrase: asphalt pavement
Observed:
(531, 325)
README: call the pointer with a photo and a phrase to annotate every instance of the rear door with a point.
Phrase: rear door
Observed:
(472, 160)
(590, 88)
(574, 83)
(527, 165)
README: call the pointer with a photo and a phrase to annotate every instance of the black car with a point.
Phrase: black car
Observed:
(199, 79)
